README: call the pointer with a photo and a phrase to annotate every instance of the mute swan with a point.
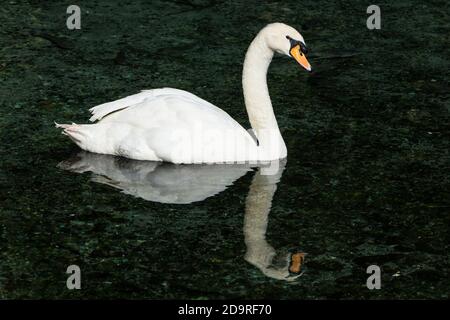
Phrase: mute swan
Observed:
(177, 126)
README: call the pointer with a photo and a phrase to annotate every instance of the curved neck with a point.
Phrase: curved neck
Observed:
(257, 98)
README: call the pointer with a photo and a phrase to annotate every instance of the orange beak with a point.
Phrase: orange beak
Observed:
(300, 57)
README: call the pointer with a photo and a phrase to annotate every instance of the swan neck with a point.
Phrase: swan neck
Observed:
(254, 83)
(257, 99)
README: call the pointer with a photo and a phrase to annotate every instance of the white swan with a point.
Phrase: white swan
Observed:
(176, 126)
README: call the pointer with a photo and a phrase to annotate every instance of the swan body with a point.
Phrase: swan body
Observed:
(176, 126)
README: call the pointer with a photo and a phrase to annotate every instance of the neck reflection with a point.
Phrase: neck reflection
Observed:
(184, 184)
(284, 265)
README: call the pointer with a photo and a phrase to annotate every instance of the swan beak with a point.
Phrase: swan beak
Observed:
(300, 57)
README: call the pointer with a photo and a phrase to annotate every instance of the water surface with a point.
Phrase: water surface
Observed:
(366, 179)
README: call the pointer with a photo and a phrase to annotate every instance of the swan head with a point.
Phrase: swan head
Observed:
(284, 39)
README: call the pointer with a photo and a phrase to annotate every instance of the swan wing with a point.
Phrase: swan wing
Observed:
(102, 110)
(170, 125)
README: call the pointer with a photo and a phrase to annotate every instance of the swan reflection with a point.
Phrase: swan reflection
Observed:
(183, 184)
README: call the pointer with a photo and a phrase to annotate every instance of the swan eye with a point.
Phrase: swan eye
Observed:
(294, 43)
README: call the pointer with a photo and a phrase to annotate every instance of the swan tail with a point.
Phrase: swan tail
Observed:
(77, 133)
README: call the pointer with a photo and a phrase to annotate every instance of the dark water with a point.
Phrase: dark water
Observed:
(366, 179)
